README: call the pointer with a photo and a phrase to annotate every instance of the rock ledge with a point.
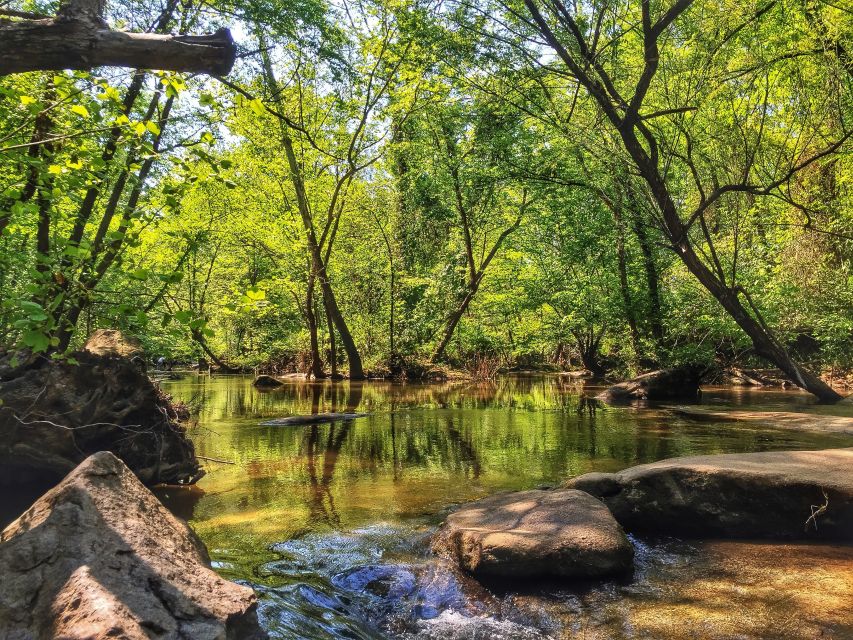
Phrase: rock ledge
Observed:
(767, 495)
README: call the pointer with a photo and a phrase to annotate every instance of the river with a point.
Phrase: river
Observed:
(330, 523)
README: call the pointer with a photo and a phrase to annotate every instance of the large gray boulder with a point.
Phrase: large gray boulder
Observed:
(98, 556)
(779, 494)
(680, 383)
(534, 534)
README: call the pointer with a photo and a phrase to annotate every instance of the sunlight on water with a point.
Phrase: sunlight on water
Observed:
(331, 522)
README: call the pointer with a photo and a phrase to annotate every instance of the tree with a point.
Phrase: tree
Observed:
(657, 130)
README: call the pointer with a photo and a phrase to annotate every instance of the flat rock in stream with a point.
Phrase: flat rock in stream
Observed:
(311, 419)
(780, 419)
(775, 494)
(535, 534)
(98, 556)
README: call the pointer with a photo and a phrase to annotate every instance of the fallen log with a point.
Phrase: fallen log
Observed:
(316, 418)
(781, 419)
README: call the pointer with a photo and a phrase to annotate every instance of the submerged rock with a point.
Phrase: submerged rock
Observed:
(53, 414)
(98, 556)
(778, 494)
(665, 384)
(777, 419)
(266, 382)
(533, 534)
(316, 418)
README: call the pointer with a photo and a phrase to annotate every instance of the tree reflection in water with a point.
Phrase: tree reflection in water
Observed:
(422, 448)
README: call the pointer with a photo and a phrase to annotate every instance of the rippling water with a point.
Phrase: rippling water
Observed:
(331, 522)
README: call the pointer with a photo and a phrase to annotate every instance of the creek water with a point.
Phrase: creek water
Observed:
(330, 523)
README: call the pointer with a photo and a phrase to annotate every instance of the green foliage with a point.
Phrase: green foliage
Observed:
(424, 135)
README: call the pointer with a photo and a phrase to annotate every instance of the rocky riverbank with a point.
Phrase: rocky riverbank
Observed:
(54, 413)
(572, 532)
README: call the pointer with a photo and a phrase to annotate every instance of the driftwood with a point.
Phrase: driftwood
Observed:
(312, 419)
(779, 419)
(78, 38)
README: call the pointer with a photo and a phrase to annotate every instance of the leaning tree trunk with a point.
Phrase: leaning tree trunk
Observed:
(78, 38)
(454, 319)
(763, 340)
(219, 362)
(594, 79)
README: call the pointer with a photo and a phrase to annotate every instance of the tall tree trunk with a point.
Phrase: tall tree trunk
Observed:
(333, 350)
(93, 272)
(356, 370)
(652, 281)
(315, 370)
(622, 261)
(476, 279)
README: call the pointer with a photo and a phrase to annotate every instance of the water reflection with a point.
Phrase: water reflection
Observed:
(283, 516)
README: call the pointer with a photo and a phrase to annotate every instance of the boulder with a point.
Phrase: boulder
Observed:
(535, 534)
(665, 384)
(55, 413)
(99, 557)
(777, 494)
(112, 342)
(266, 382)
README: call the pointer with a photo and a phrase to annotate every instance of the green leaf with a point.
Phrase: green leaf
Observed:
(36, 340)
(80, 110)
(139, 274)
(31, 307)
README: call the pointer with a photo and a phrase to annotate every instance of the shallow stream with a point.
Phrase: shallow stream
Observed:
(331, 522)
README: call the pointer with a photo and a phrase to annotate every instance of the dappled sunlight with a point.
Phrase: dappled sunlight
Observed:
(729, 589)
